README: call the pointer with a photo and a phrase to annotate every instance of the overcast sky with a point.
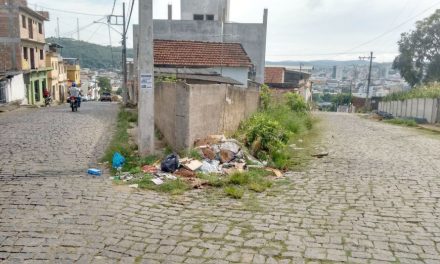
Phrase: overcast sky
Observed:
(298, 29)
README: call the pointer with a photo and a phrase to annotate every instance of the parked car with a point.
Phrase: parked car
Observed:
(106, 97)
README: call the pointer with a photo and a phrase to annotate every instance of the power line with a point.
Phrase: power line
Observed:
(129, 18)
(81, 28)
(394, 28)
(66, 11)
(113, 9)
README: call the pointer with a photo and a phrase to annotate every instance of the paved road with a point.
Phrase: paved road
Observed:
(375, 199)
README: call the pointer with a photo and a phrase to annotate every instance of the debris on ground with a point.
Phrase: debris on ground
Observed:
(95, 172)
(157, 181)
(170, 163)
(277, 173)
(192, 165)
(134, 186)
(118, 160)
(221, 156)
(320, 155)
(149, 169)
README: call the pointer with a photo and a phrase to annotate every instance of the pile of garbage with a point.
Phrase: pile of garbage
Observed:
(220, 156)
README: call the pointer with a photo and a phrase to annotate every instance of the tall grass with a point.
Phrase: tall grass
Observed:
(431, 90)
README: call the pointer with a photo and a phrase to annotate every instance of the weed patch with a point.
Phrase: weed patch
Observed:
(402, 122)
(234, 192)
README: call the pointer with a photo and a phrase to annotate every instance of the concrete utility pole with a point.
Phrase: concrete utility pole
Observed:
(77, 27)
(124, 50)
(146, 78)
(369, 76)
(124, 57)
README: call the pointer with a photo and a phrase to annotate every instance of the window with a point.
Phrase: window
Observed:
(199, 17)
(23, 21)
(25, 53)
(209, 17)
(41, 54)
(40, 28)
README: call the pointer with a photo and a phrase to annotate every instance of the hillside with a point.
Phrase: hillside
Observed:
(91, 55)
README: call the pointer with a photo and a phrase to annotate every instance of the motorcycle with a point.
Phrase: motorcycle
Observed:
(47, 101)
(74, 103)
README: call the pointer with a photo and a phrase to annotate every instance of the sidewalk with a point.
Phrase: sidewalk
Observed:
(432, 127)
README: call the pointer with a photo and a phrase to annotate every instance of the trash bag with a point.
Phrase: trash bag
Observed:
(170, 163)
(118, 160)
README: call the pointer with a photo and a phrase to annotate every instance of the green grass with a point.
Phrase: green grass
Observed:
(402, 122)
(236, 184)
(234, 192)
(426, 91)
(174, 187)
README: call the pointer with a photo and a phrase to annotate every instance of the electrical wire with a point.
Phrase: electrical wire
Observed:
(113, 9)
(131, 12)
(66, 11)
(394, 28)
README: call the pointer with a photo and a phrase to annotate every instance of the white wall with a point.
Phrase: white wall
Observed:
(237, 73)
(15, 89)
(205, 7)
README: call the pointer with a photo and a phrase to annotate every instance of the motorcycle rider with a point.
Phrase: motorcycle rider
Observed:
(75, 92)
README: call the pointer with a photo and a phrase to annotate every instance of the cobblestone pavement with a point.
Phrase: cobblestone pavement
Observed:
(374, 199)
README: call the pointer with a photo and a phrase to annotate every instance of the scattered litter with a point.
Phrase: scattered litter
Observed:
(193, 165)
(134, 186)
(167, 176)
(157, 181)
(231, 145)
(209, 153)
(170, 163)
(184, 160)
(185, 173)
(149, 169)
(320, 155)
(211, 166)
(226, 156)
(277, 173)
(95, 172)
(209, 140)
(118, 160)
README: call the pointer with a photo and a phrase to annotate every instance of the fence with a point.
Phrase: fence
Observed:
(426, 109)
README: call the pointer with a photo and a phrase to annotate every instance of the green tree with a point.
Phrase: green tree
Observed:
(419, 58)
(105, 85)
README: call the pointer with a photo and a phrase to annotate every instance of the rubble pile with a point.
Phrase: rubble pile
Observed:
(220, 156)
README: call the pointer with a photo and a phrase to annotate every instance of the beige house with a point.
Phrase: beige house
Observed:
(57, 77)
(22, 43)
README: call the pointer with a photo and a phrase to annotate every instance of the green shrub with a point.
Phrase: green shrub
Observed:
(296, 102)
(234, 192)
(263, 133)
(265, 97)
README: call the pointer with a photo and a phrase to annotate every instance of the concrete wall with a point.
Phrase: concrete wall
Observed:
(14, 89)
(251, 36)
(420, 108)
(185, 113)
(213, 7)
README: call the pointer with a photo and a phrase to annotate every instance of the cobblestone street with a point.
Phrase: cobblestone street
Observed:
(374, 199)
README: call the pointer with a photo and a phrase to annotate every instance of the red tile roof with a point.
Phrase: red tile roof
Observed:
(199, 54)
(274, 74)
